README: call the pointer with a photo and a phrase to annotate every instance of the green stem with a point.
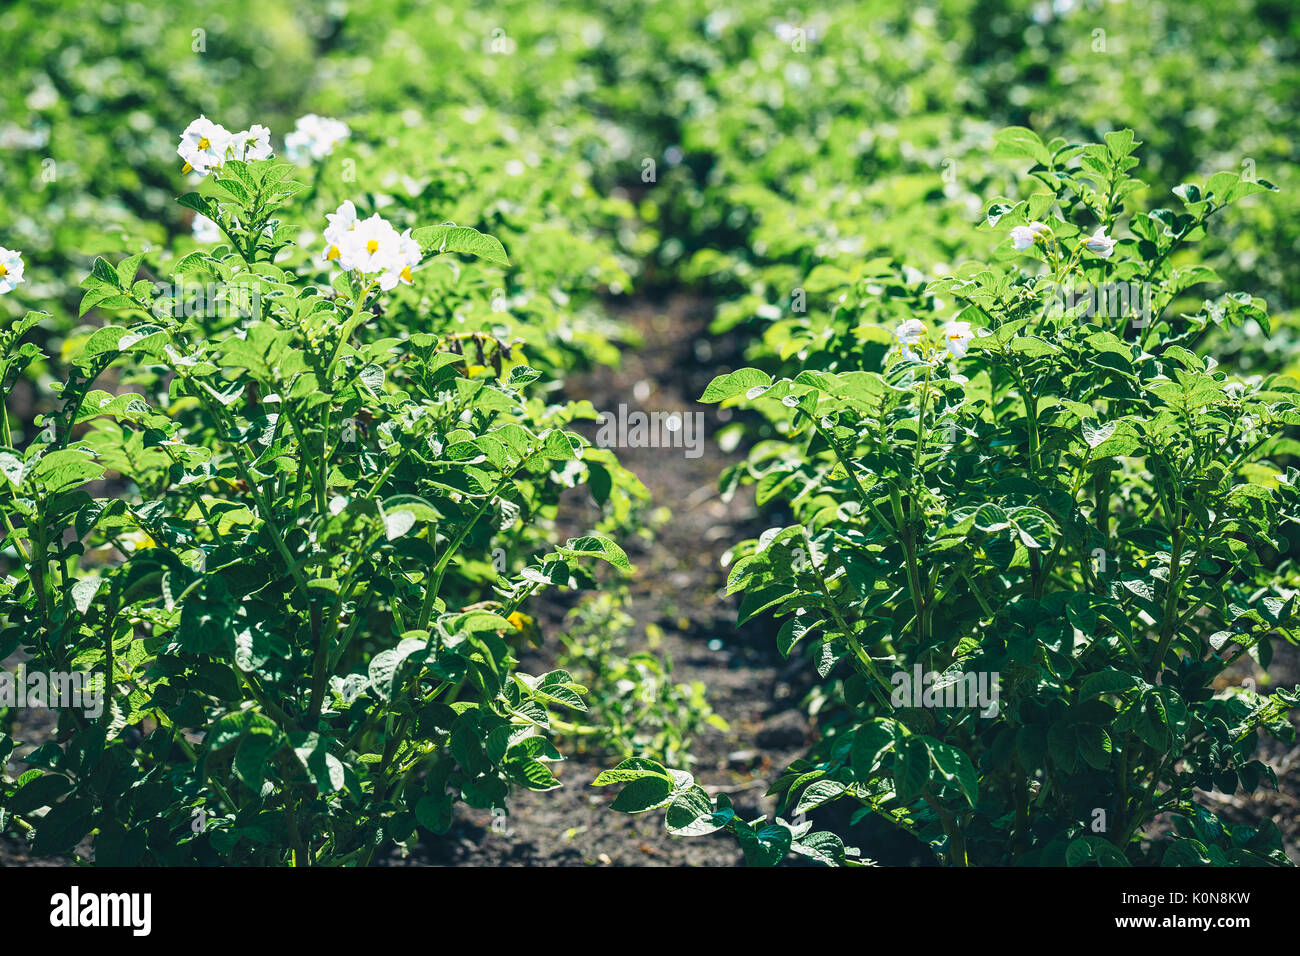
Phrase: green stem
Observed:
(1031, 413)
(853, 478)
(858, 650)
(951, 829)
(426, 608)
(318, 479)
(263, 506)
(1170, 618)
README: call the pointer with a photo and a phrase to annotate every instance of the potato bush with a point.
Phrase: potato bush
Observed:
(291, 623)
(1054, 491)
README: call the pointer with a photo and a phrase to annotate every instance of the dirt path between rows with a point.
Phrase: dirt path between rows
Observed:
(678, 586)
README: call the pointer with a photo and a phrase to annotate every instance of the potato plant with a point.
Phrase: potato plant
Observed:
(1052, 487)
(295, 546)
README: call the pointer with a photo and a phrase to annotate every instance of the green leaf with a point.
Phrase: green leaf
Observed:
(1094, 745)
(871, 742)
(596, 546)
(823, 791)
(27, 323)
(385, 665)
(104, 270)
(452, 238)
(1061, 743)
(64, 469)
(1017, 141)
(1094, 849)
(559, 447)
(911, 768)
(1248, 188)
(824, 847)
(644, 793)
(1095, 432)
(1120, 143)
(63, 826)
(633, 768)
(251, 756)
(990, 518)
(397, 523)
(200, 204)
(40, 791)
(324, 769)
(523, 375)
(84, 591)
(1108, 681)
(734, 383)
(955, 767)
(1117, 439)
(372, 377)
(766, 845)
(532, 774)
(691, 814)
(434, 813)
(1032, 346)
(127, 269)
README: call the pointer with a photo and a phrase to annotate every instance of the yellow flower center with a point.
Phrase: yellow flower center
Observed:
(4, 271)
(372, 246)
(333, 253)
(187, 168)
(204, 142)
(405, 273)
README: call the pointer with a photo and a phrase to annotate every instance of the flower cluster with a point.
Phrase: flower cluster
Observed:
(1024, 237)
(370, 246)
(206, 145)
(11, 269)
(314, 137)
(957, 337)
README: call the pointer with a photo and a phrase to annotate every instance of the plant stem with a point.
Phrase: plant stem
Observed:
(426, 608)
(858, 650)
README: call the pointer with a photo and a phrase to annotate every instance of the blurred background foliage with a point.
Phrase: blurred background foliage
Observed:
(745, 150)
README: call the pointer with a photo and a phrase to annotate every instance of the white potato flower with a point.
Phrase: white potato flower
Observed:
(957, 337)
(11, 269)
(1099, 243)
(314, 137)
(370, 246)
(1022, 237)
(341, 222)
(252, 143)
(907, 334)
(910, 332)
(204, 146)
(407, 254)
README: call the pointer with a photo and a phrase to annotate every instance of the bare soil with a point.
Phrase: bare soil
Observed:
(679, 586)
